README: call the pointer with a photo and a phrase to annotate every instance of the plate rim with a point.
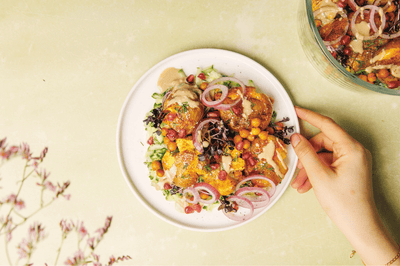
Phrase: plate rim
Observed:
(122, 164)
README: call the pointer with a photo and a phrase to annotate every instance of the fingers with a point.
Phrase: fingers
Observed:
(320, 141)
(308, 157)
(332, 130)
(301, 181)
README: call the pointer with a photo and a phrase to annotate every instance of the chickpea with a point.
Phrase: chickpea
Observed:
(237, 139)
(255, 131)
(203, 86)
(160, 172)
(246, 144)
(255, 122)
(263, 135)
(383, 73)
(155, 165)
(244, 133)
(251, 137)
(371, 77)
(363, 77)
(166, 140)
(172, 146)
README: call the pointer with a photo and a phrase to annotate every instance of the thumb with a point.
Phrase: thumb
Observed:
(308, 157)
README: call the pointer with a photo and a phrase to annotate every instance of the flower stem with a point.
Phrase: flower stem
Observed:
(6, 247)
(59, 249)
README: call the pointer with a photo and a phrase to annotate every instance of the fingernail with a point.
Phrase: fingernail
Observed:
(295, 139)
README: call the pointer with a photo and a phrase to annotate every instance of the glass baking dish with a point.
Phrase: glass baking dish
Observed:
(321, 58)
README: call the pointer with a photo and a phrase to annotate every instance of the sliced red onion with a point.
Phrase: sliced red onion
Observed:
(271, 190)
(223, 106)
(372, 20)
(258, 201)
(206, 99)
(194, 192)
(213, 192)
(353, 22)
(242, 202)
(197, 131)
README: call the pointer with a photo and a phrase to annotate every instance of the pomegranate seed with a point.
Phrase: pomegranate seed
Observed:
(189, 209)
(393, 84)
(150, 141)
(172, 134)
(171, 116)
(347, 50)
(197, 207)
(202, 76)
(345, 40)
(246, 155)
(252, 161)
(182, 133)
(214, 166)
(213, 114)
(167, 186)
(239, 145)
(222, 175)
(236, 110)
(190, 78)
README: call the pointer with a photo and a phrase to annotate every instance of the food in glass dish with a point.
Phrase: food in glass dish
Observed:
(364, 36)
(215, 142)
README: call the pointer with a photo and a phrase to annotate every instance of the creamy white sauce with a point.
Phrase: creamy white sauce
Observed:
(378, 57)
(247, 109)
(226, 163)
(268, 154)
(362, 29)
(181, 92)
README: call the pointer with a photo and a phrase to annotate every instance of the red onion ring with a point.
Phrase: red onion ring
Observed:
(222, 106)
(194, 192)
(271, 191)
(372, 20)
(199, 127)
(325, 9)
(242, 202)
(258, 201)
(210, 189)
(353, 22)
(206, 94)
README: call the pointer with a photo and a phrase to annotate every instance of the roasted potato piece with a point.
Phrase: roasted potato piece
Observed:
(270, 154)
(254, 105)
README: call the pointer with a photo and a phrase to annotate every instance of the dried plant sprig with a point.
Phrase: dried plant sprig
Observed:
(13, 218)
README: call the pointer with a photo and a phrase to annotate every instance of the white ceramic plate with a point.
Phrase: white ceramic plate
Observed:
(131, 135)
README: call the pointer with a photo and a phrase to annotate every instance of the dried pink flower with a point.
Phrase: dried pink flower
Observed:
(90, 242)
(66, 227)
(49, 186)
(104, 229)
(82, 230)
(25, 151)
(67, 197)
(78, 259)
(20, 204)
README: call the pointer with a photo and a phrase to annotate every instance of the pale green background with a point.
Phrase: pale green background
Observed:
(66, 68)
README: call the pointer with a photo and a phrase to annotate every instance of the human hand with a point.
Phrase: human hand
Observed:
(342, 182)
